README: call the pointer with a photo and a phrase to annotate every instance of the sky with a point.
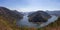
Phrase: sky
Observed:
(31, 5)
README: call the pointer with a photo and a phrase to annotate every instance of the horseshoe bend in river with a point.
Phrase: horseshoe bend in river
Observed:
(24, 22)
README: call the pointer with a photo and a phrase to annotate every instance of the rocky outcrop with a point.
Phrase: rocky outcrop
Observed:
(39, 16)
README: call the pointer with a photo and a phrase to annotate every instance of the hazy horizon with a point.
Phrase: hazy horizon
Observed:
(31, 5)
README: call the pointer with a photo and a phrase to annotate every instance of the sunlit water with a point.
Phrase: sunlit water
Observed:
(25, 23)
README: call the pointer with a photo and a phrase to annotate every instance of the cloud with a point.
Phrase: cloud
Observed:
(31, 5)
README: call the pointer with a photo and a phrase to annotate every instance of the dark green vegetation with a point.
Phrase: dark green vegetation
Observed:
(39, 16)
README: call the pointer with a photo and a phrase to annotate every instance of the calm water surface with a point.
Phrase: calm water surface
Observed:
(25, 23)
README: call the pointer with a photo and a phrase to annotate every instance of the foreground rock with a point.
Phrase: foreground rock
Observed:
(39, 16)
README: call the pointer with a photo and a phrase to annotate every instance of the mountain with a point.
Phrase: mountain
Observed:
(8, 18)
(57, 13)
(39, 16)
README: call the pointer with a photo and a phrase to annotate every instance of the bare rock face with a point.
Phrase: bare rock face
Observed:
(39, 16)
(10, 15)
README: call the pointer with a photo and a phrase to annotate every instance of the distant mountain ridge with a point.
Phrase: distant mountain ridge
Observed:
(57, 13)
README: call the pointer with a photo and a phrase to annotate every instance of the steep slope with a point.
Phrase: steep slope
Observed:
(8, 19)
